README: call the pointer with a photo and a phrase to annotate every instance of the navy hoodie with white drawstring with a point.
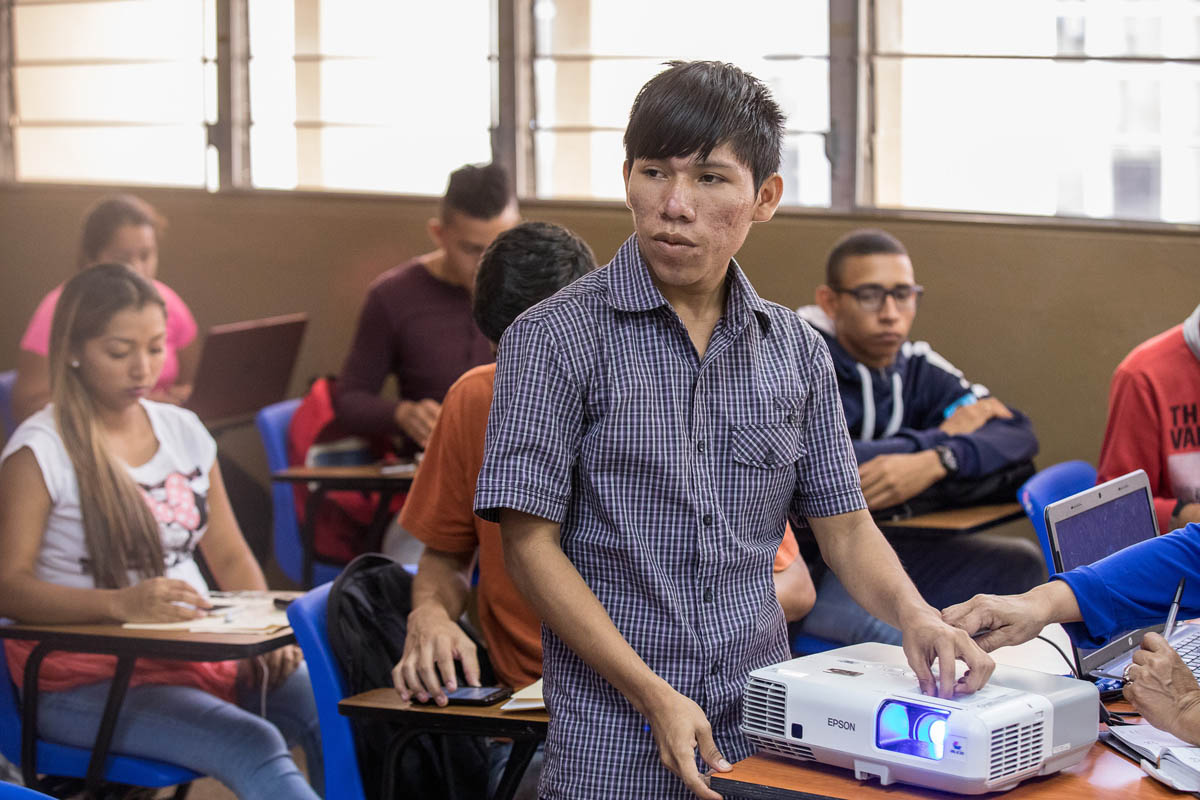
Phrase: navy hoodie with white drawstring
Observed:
(898, 408)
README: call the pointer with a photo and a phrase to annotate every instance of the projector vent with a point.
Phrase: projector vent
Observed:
(784, 748)
(764, 708)
(1015, 748)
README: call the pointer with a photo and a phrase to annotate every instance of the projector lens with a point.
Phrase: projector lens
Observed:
(911, 728)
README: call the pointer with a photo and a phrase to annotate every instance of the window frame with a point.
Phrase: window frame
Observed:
(853, 165)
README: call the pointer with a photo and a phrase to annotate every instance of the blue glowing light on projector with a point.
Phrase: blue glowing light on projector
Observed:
(911, 728)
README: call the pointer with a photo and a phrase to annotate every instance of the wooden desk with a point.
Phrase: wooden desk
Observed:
(127, 646)
(1102, 775)
(387, 479)
(525, 728)
(971, 519)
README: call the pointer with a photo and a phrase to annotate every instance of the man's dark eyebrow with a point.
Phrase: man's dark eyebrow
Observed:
(716, 165)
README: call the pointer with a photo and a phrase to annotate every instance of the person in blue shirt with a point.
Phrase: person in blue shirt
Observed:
(923, 436)
(1127, 590)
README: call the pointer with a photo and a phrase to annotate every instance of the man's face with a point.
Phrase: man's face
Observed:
(692, 216)
(463, 239)
(873, 337)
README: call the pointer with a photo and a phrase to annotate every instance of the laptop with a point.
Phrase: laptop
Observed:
(1096, 523)
(245, 366)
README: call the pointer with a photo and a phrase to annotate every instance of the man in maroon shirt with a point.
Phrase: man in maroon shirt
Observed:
(416, 323)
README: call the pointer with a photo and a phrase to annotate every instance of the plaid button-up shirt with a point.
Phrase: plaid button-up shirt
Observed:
(671, 477)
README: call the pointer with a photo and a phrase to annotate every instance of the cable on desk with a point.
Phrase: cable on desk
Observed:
(1070, 663)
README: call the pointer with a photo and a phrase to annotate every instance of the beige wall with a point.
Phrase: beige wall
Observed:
(1041, 314)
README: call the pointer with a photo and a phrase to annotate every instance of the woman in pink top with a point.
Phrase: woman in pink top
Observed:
(124, 229)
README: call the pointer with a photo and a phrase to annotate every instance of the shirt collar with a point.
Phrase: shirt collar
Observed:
(632, 289)
(1191, 332)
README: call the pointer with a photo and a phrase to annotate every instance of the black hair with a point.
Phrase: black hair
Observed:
(523, 266)
(481, 191)
(861, 242)
(693, 107)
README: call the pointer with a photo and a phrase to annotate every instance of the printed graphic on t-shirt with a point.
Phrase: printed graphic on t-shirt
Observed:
(1184, 474)
(181, 511)
(1185, 426)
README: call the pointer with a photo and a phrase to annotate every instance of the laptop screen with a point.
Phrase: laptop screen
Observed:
(1095, 524)
(1097, 532)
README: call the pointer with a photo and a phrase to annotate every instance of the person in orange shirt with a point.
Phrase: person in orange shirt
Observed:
(523, 266)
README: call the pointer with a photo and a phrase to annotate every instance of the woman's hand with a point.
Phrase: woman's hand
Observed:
(160, 600)
(280, 663)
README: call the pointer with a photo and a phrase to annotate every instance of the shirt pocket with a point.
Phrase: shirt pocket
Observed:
(768, 445)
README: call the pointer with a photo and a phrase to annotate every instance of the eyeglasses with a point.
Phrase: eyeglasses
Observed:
(870, 296)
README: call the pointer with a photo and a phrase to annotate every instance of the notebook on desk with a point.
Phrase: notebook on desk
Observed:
(1096, 523)
(245, 366)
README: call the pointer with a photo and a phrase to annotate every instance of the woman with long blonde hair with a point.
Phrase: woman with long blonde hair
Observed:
(104, 498)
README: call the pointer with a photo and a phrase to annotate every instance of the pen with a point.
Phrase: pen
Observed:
(1174, 612)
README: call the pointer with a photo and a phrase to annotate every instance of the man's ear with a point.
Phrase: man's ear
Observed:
(434, 228)
(769, 196)
(826, 298)
(626, 167)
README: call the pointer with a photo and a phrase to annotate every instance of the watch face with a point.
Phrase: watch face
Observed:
(949, 461)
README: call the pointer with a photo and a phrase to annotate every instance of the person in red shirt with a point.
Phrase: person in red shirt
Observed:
(524, 265)
(1154, 421)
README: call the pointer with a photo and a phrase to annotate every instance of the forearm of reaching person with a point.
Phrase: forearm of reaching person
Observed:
(865, 563)
(558, 593)
(434, 640)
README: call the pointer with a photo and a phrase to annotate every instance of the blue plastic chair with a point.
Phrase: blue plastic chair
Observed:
(72, 762)
(7, 423)
(804, 644)
(272, 423)
(10, 791)
(1048, 486)
(308, 617)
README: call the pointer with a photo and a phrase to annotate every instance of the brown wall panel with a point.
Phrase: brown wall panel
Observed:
(1039, 313)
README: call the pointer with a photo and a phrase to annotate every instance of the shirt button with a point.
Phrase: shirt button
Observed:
(791, 418)
(700, 446)
(708, 594)
(770, 457)
(707, 519)
(716, 668)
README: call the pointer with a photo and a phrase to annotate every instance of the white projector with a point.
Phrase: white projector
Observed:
(859, 707)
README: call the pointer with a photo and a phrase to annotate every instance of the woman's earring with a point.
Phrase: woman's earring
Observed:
(75, 363)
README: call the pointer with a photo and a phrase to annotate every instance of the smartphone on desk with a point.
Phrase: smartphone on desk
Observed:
(477, 695)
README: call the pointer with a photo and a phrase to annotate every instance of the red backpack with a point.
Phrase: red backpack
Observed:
(343, 518)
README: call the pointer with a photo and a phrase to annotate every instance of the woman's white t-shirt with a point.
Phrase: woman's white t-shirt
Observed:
(174, 482)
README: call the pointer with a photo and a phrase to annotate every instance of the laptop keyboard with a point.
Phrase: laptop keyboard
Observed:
(1189, 650)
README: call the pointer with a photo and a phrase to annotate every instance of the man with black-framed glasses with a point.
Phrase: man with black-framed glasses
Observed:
(924, 436)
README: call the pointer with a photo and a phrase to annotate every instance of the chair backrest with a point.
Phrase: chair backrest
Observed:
(10, 713)
(10, 791)
(272, 423)
(1048, 486)
(7, 422)
(307, 615)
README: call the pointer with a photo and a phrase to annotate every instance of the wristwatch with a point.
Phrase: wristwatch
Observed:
(948, 459)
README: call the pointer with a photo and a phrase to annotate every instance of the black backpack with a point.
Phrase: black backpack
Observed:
(367, 622)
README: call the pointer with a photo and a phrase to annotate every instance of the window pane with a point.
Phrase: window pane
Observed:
(116, 91)
(1165, 28)
(599, 93)
(342, 98)
(1038, 137)
(128, 30)
(112, 93)
(701, 29)
(593, 57)
(158, 155)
